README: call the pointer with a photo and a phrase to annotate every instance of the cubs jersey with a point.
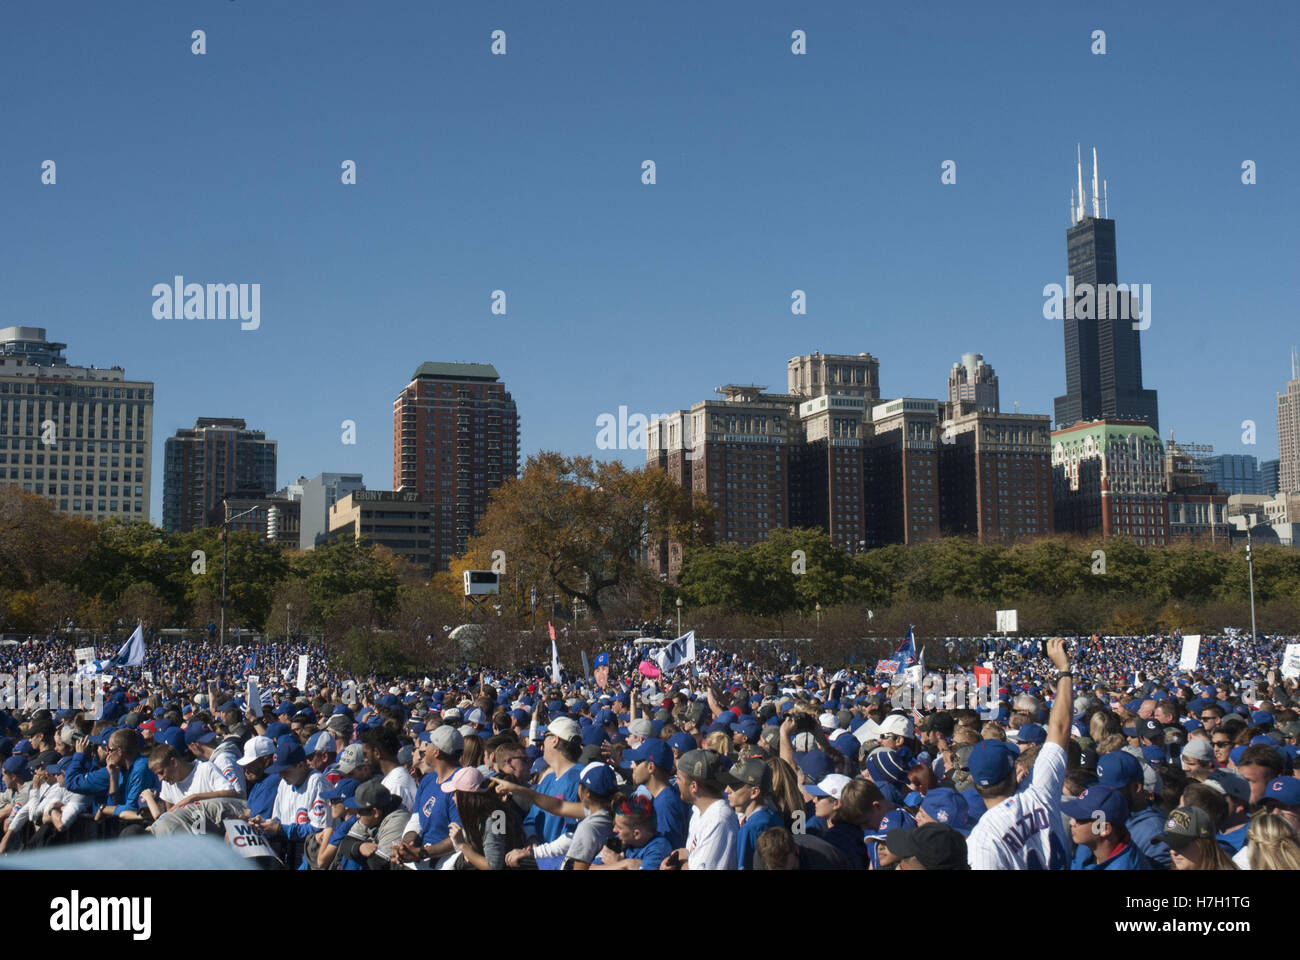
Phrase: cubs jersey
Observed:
(1025, 831)
(302, 804)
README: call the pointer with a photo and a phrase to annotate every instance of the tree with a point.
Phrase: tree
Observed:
(37, 544)
(342, 567)
(581, 528)
(143, 603)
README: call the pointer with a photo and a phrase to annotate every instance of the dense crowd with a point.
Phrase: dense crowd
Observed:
(1096, 754)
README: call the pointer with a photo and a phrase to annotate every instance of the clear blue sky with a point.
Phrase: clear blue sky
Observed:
(522, 172)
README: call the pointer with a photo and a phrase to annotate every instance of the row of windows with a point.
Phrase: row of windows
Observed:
(75, 390)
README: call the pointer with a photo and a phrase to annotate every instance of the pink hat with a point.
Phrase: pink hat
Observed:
(467, 779)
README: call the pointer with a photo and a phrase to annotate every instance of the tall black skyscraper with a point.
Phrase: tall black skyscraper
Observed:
(1103, 353)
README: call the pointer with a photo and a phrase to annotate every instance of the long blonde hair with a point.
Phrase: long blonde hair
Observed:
(719, 742)
(1273, 843)
(785, 787)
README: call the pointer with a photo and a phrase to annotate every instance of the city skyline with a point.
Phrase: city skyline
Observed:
(775, 173)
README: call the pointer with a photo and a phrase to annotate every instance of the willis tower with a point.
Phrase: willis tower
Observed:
(1103, 355)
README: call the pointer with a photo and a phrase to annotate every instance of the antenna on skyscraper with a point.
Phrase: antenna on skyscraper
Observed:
(1072, 206)
(1096, 212)
(1105, 199)
(1078, 154)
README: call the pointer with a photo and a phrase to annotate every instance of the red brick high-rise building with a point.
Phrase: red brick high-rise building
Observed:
(455, 440)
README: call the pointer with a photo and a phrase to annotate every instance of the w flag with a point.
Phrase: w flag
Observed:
(906, 654)
(250, 664)
(132, 652)
(840, 677)
(680, 651)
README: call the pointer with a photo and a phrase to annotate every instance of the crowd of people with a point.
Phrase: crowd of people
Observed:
(1097, 754)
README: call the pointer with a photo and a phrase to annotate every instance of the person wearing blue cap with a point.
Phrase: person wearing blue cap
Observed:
(337, 797)
(642, 846)
(1282, 797)
(128, 774)
(1023, 830)
(299, 810)
(1122, 771)
(652, 768)
(596, 788)
(1097, 818)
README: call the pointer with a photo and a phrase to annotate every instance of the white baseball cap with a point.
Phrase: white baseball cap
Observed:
(256, 747)
(565, 728)
(832, 785)
(896, 724)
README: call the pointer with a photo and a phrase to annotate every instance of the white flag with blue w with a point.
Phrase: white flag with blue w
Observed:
(680, 651)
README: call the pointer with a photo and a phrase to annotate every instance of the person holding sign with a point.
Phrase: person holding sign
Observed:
(299, 809)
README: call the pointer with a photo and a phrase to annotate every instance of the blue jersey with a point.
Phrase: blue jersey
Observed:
(747, 839)
(546, 826)
(652, 854)
(261, 796)
(671, 816)
(896, 819)
(437, 810)
(1127, 857)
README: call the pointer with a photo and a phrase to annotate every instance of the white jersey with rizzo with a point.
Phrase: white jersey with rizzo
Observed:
(1025, 832)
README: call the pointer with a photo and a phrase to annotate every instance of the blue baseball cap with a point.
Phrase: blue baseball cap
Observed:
(1118, 769)
(656, 751)
(285, 708)
(816, 766)
(277, 730)
(173, 737)
(946, 805)
(1261, 718)
(991, 761)
(17, 765)
(345, 788)
(599, 779)
(594, 735)
(287, 755)
(1031, 733)
(198, 733)
(748, 727)
(1097, 798)
(1283, 790)
(322, 742)
(682, 742)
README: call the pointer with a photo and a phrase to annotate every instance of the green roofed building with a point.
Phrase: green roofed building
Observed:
(1108, 477)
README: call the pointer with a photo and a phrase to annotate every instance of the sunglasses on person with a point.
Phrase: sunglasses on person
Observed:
(1209, 716)
(1221, 743)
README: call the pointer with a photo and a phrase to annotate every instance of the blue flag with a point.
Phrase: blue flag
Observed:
(907, 652)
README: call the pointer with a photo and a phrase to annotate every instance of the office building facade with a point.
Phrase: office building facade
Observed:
(396, 519)
(1234, 473)
(1108, 477)
(455, 440)
(995, 476)
(216, 459)
(319, 493)
(81, 437)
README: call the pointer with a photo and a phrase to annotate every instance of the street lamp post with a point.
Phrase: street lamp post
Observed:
(225, 541)
(679, 616)
(819, 617)
(1250, 573)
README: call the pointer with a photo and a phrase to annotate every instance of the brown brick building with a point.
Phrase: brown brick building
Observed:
(455, 440)
(995, 475)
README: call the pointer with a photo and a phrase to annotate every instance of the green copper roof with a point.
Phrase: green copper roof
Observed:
(457, 371)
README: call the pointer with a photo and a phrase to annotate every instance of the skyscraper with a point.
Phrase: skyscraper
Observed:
(973, 381)
(82, 437)
(218, 457)
(455, 440)
(319, 494)
(1288, 432)
(1103, 352)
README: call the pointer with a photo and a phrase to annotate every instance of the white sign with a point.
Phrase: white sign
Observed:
(247, 841)
(302, 672)
(1191, 650)
(84, 655)
(148, 675)
(1291, 661)
(254, 696)
(1007, 621)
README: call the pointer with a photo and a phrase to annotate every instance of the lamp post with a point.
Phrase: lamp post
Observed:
(1247, 522)
(288, 634)
(679, 616)
(225, 541)
(819, 617)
